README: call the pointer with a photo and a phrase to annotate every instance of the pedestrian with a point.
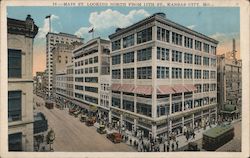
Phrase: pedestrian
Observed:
(130, 141)
(193, 135)
(168, 148)
(173, 146)
(187, 135)
(177, 144)
(164, 147)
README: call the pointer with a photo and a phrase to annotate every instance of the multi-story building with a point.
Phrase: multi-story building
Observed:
(51, 40)
(163, 77)
(229, 76)
(69, 84)
(61, 87)
(20, 83)
(38, 81)
(92, 76)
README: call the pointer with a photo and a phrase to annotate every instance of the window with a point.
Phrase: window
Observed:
(96, 69)
(14, 63)
(176, 56)
(78, 87)
(86, 70)
(188, 42)
(188, 73)
(198, 87)
(212, 74)
(90, 60)
(205, 47)
(205, 61)
(162, 72)
(86, 61)
(205, 74)
(213, 87)
(79, 79)
(116, 45)
(128, 57)
(162, 53)
(15, 142)
(128, 73)
(91, 79)
(198, 102)
(116, 59)
(188, 104)
(128, 41)
(176, 73)
(79, 96)
(163, 110)
(213, 62)
(144, 109)
(176, 38)
(197, 60)
(96, 59)
(176, 107)
(128, 105)
(116, 74)
(162, 34)
(188, 58)
(197, 74)
(213, 50)
(116, 102)
(91, 99)
(197, 45)
(144, 73)
(144, 54)
(91, 89)
(14, 106)
(144, 35)
(205, 87)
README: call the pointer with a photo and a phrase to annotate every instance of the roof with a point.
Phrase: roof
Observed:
(160, 18)
(218, 130)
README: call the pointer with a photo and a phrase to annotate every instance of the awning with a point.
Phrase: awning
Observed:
(190, 87)
(127, 88)
(146, 90)
(179, 88)
(116, 87)
(80, 104)
(164, 89)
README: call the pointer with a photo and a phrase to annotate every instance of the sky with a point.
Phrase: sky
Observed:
(222, 24)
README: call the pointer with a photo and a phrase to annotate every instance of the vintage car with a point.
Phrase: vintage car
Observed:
(83, 118)
(72, 110)
(90, 121)
(114, 137)
(49, 104)
(76, 113)
(101, 129)
(192, 146)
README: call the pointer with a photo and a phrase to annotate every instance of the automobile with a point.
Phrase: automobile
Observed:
(114, 137)
(192, 146)
(90, 121)
(101, 129)
(76, 113)
(83, 118)
(72, 110)
(49, 104)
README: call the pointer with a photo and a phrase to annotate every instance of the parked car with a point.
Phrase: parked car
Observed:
(192, 146)
(114, 137)
(83, 118)
(90, 121)
(76, 113)
(101, 129)
(72, 110)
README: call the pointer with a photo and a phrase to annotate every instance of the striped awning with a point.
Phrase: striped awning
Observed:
(190, 87)
(164, 89)
(143, 89)
(116, 87)
(127, 88)
(179, 88)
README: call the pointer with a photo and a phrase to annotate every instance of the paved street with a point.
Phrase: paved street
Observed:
(72, 135)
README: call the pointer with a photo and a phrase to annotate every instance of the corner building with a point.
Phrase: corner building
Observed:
(163, 77)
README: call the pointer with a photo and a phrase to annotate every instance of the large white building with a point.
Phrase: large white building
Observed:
(21, 35)
(51, 40)
(92, 76)
(163, 77)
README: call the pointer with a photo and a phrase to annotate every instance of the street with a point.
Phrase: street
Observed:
(73, 135)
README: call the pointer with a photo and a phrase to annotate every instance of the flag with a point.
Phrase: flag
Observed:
(92, 30)
(48, 16)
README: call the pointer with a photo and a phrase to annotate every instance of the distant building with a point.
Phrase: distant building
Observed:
(61, 88)
(92, 76)
(39, 83)
(163, 77)
(229, 86)
(51, 40)
(21, 35)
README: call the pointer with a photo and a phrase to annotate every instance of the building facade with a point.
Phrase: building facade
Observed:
(229, 86)
(20, 36)
(163, 77)
(51, 40)
(39, 83)
(92, 76)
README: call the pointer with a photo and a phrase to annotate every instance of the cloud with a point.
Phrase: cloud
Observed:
(111, 18)
(191, 27)
(45, 29)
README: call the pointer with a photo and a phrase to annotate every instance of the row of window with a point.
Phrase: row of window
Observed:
(87, 61)
(163, 73)
(163, 54)
(87, 70)
(205, 87)
(87, 79)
